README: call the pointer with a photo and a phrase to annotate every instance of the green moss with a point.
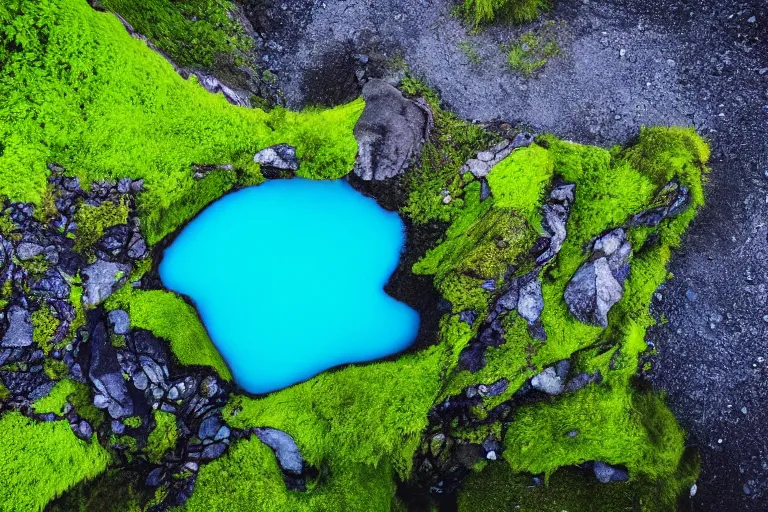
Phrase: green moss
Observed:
(169, 317)
(480, 12)
(163, 437)
(93, 220)
(132, 421)
(470, 52)
(75, 393)
(192, 33)
(533, 49)
(74, 82)
(452, 142)
(55, 369)
(44, 327)
(39, 461)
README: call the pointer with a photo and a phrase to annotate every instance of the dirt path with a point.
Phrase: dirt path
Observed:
(696, 62)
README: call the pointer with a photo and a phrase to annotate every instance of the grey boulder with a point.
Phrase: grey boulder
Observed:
(284, 447)
(101, 279)
(606, 473)
(281, 157)
(19, 333)
(390, 131)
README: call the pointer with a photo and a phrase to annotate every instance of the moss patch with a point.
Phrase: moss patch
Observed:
(39, 461)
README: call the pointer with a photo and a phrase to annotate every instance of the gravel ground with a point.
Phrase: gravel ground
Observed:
(624, 64)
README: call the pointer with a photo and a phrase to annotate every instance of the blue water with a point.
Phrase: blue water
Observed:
(288, 278)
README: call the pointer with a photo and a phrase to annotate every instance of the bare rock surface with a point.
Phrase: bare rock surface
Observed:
(389, 133)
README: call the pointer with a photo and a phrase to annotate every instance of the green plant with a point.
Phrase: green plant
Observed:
(44, 327)
(168, 316)
(93, 220)
(132, 421)
(163, 437)
(470, 52)
(481, 12)
(532, 50)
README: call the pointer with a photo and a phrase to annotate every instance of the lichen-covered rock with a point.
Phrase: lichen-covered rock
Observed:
(598, 283)
(389, 133)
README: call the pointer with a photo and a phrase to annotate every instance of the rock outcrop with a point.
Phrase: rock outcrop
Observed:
(598, 283)
(390, 131)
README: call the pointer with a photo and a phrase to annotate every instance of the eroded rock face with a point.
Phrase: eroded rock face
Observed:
(598, 284)
(390, 131)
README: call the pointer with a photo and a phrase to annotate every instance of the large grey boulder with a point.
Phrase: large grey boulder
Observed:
(598, 284)
(19, 333)
(101, 279)
(390, 131)
(287, 452)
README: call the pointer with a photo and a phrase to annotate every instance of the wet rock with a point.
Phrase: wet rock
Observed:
(472, 358)
(530, 303)
(101, 279)
(598, 283)
(468, 316)
(209, 387)
(209, 427)
(28, 250)
(674, 198)
(104, 371)
(52, 284)
(389, 133)
(548, 381)
(287, 453)
(119, 321)
(606, 473)
(20, 330)
(274, 159)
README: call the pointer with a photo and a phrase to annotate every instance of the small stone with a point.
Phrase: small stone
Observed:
(751, 19)
(447, 199)
(671, 63)
(491, 455)
(28, 250)
(765, 318)
(622, 52)
(694, 488)
(606, 473)
(485, 156)
(573, 433)
(691, 295)
(119, 320)
(744, 411)
(617, 117)
(720, 441)
(747, 490)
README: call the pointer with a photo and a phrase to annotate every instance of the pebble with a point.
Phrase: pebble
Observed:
(671, 63)
(622, 52)
(752, 19)
(694, 488)
(744, 411)
(765, 318)
(691, 295)
(447, 199)
(720, 441)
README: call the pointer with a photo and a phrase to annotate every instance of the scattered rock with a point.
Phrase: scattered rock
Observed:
(119, 321)
(20, 330)
(389, 133)
(531, 302)
(104, 371)
(606, 473)
(548, 382)
(101, 279)
(276, 159)
(28, 250)
(598, 283)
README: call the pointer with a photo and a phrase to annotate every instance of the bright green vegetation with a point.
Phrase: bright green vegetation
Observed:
(163, 437)
(133, 421)
(93, 220)
(616, 423)
(168, 316)
(192, 33)
(532, 51)
(39, 461)
(45, 325)
(481, 12)
(77, 395)
(81, 92)
(452, 142)
(384, 412)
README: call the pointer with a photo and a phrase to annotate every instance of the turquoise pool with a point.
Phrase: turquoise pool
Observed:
(288, 278)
